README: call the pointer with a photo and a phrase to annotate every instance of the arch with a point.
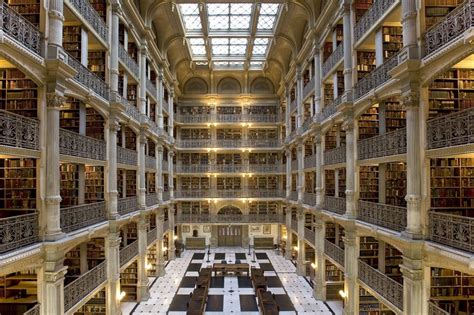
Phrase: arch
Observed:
(229, 210)
(195, 86)
(262, 85)
(229, 86)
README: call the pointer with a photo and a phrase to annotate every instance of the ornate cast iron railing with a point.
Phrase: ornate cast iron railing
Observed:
(18, 131)
(434, 309)
(127, 205)
(128, 61)
(92, 17)
(335, 252)
(294, 195)
(128, 252)
(388, 216)
(451, 130)
(306, 124)
(193, 168)
(77, 217)
(335, 204)
(74, 144)
(150, 162)
(391, 290)
(267, 168)
(294, 225)
(452, 26)
(387, 144)
(151, 199)
(335, 156)
(309, 236)
(333, 59)
(308, 88)
(18, 231)
(310, 161)
(133, 112)
(204, 193)
(375, 78)
(206, 218)
(371, 16)
(309, 198)
(151, 88)
(126, 156)
(85, 284)
(196, 118)
(329, 109)
(89, 79)
(151, 236)
(18, 27)
(195, 143)
(264, 193)
(293, 105)
(452, 230)
(35, 310)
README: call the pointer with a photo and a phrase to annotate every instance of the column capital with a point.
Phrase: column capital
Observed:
(55, 100)
(116, 8)
(114, 124)
(410, 99)
(288, 153)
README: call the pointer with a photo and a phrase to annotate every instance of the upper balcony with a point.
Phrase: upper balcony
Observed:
(388, 216)
(310, 161)
(18, 131)
(227, 118)
(333, 60)
(74, 144)
(88, 79)
(225, 218)
(18, 231)
(335, 156)
(450, 130)
(387, 144)
(329, 110)
(308, 89)
(224, 143)
(128, 62)
(84, 9)
(82, 216)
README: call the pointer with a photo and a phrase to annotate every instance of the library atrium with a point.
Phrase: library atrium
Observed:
(237, 157)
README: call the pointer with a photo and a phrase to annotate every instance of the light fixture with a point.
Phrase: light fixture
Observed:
(148, 266)
(175, 237)
(122, 295)
(313, 265)
(165, 249)
(342, 294)
(295, 248)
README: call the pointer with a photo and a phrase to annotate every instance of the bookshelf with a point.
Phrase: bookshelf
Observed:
(369, 305)
(393, 260)
(435, 10)
(120, 175)
(328, 93)
(341, 181)
(151, 260)
(262, 133)
(120, 82)
(194, 134)
(229, 159)
(309, 182)
(229, 110)
(452, 290)
(330, 234)
(95, 252)
(365, 63)
(94, 124)
(96, 63)
(369, 250)
(194, 183)
(95, 306)
(194, 158)
(18, 94)
(69, 190)
(395, 184)
(101, 7)
(130, 139)
(133, 50)
(340, 82)
(329, 183)
(72, 260)
(229, 134)
(72, 40)
(69, 114)
(369, 123)
(17, 186)
(392, 40)
(330, 139)
(334, 281)
(132, 94)
(94, 184)
(369, 183)
(129, 234)
(129, 282)
(150, 182)
(29, 9)
(131, 183)
(360, 7)
(452, 185)
(18, 292)
(260, 182)
(395, 115)
(195, 207)
(194, 110)
(262, 110)
(229, 183)
(263, 207)
(327, 50)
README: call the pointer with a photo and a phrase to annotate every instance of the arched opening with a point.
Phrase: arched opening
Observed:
(229, 210)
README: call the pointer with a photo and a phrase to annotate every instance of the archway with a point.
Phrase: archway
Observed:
(229, 235)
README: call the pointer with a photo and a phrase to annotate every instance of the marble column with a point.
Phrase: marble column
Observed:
(319, 173)
(409, 27)
(51, 297)
(112, 255)
(142, 87)
(289, 237)
(300, 181)
(55, 32)
(159, 171)
(300, 262)
(288, 173)
(111, 168)
(347, 44)
(171, 246)
(351, 256)
(114, 63)
(160, 98)
(317, 80)
(299, 97)
(415, 285)
(171, 112)
(142, 139)
(319, 289)
(288, 110)
(351, 200)
(160, 262)
(170, 174)
(143, 292)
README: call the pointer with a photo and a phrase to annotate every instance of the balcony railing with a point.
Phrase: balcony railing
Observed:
(267, 168)
(388, 216)
(151, 236)
(18, 27)
(128, 61)
(150, 162)
(335, 204)
(78, 217)
(451, 130)
(309, 199)
(74, 144)
(329, 109)
(92, 17)
(308, 88)
(293, 105)
(333, 59)
(166, 225)
(89, 79)
(294, 225)
(234, 193)
(309, 236)
(128, 252)
(227, 168)
(133, 112)
(164, 165)
(335, 156)
(151, 88)
(75, 291)
(126, 156)
(224, 143)
(434, 309)
(294, 195)
(387, 144)
(334, 252)
(452, 230)
(371, 17)
(310, 161)
(250, 218)
(388, 288)
(265, 193)
(375, 78)
(18, 131)
(151, 199)
(35, 310)
(18, 231)
(306, 125)
(127, 205)
(451, 27)
(262, 143)
(205, 193)
(195, 143)
(196, 118)
(264, 118)
(193, 168)
(166, 195)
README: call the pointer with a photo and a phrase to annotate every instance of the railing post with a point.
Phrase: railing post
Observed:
(319, 288)
(351, 286)
(51, 298)
(112, 245)
(143, 292)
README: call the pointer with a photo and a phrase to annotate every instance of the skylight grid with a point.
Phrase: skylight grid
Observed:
(229, 16)
(191, 17)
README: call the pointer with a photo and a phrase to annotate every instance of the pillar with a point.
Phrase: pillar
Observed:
(409, 27)
(171, 246)
(288, 172)
(160, 262)
(351, 287)
(112, 255)
(159, 86)
(159, 171)
(170, 174)
(52, 274)
(170, 111)
(143, 292)
(300, 181)
(289, 237)
(142, 88)
(299, 97)
(319, 288)
(111, 167)
(288, 110)
(141, 170)
(114, 64)
(347, 42)
(300, 262)
(351, 200)
(319, 172)
(317, 80)
(415, 286)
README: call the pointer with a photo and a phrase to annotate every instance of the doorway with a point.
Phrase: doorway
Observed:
(229, 235)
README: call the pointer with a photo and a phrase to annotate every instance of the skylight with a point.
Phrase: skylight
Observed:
(238, 34)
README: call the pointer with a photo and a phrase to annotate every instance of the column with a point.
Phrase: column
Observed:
(52, 274)
(289, 237)
(300, 183)
(409, 14)
(319, 173)
(159, 171)
(112, 254)
(171, 246)
(317, 80)
(288, 110)
(351, 202)
(141, 170)
(415, 286)
(114, 64)
(160, 265)
(319, 289)
(142, 89)
(170, 174)
(170, 112)
(351, 287)
(111, 166)
(300, 262)
(347, 44)
(159, 86)
(143, 292)
(288, 172)
(299, 96)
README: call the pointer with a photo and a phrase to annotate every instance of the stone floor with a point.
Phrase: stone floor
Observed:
(230, 294)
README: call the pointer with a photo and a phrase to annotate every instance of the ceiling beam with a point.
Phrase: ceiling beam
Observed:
(253, 31)
(205, 29)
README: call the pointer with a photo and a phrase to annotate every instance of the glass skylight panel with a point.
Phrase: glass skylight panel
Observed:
(269, 8)
(190, 13)
(256, 64)
(267, 17)
(229, 46)
(225, 16)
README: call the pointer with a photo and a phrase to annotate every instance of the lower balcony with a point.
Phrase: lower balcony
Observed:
(451, 130)
(151, 199)
(128, 252)
(294, 195)
(126, 156)
(334, 252)
(194, 168)
(335, 156)
(452, 230)
(81, 216)
(228, 168)
(265, 193)
(195, 143)
(18, 131)
(309, 199)
(150, 162)
(387, 216)
(74, 144)
(388, 144)
(335, 204)
(309, 236)
(127, 205)
(18, 231)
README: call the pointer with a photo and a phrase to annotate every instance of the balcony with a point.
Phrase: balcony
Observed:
(234, 193)
(310, 161)
(329, 110)
(262, 143)
(193, 168)
(335, 156)
(228, 168)
(197, 118)
(251, 218)
(306, 125)
(166, 195)
(74, 144)
(128, 61)
(81, 287)
(294, 225)
(81, 216)
(267, 168)
(378, 9)
(377, 77)
(265, 193)
(452, 230)
(386, 287)
(133, 112)
(309, 199)
(453, 25)
(18, 231)
(128, 252)
(451, 130)
(293, 105)
(151, 88)
(334, 252)
(195, 143)
(35, 310)
(150, 162)
(164, 165)
(309, 236)
(226, 118)
(126, 156)
(224, 143)
(262, 118)
(85, 9)
(88, 79)
(151, 237)
(293, 195)
(151, 199)
(333, 60)
(127, 205)
(205, 193)
(335, 204)
(387, 144)
(434, 309)
(18, 131)
(308, 88)
(387, 216)
(20, 29)
(291, 136)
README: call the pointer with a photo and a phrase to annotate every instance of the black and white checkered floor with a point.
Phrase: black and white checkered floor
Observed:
(230, 294)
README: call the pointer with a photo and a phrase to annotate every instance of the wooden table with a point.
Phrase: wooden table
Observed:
(237, 269)
(267, 303)
(203, 280)
(197, 301)
(258, 279)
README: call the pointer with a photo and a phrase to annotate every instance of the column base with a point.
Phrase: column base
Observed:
(300, 269)
(54, 236)
(171, 254)
(412, 235)
(319, 292)
(143, 292)
(288, 254)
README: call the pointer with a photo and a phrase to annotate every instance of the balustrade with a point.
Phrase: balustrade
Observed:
(294, 195)
(18, 231)
(309, 236)
(335, 156)
(265, 193)
(310, 161)
(128, 252)
(74, 144)
(306, 125)
(309, 198)
(262, 143)
(293, 105)
(35, 310)
(234, 193)
(335, 204)
(224, 143)
(452, 230)
(151, 237)
(387, 144)
(81, 216)
(333, 60)
(193, 168)
(195, 143)
(126, 156)
(450, 130)
(388, 216)
(329, 109)
(196, 193)
(88, 12)
(434, 309)
(151, 88)
(19, 131)
(195, 118)
(294, 225)
(89, 79)
(133, 112)
(227, 168)
(388, 288)
(267, 168)
(378, 9)
(127, 205)
(150, 162)
(128, 61)
(151, 199)
(334, 252)
(308, 88)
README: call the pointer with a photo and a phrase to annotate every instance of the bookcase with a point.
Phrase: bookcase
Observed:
(69, 114)
(195, 183)
(330, 232)
(94, 123)
(309, 147)
(129, 234)
(69, 184)
(452, 290)
(263, 207)
(309, 182)
(229, 134)
(96, 63)
(262, 133)
(18, 292)
(132, 94)
(120, 175)
(191, 134)
(151, 260)
(451, 92)
(94, 184)
(261, 182)
(229, 159)
(129, 282)
(328, 94)
(150, 182)
(340, 82)
(229, 183)
(17, 186)
(393, 260)
(369, 250)
(293, 182)
(73, 263)
(395, 115)
(133, 52)
(101, 7)
(72, 40)
(194, 158)
(341, 181)
(327, 50)
(365, 63)
(95, 252)
(369, 305)
(228, 110)
(329, 183)
(330, 139)
(435, 10)
(392, 40)
(131, 182)
(369, 123)
(395, 184)
(130, 139)
(18, 94)
(194, 110)
(195, 207)
(29, 9)
(120, 82)
(452, 185)
(369, 183)
(361, 6)
(262, 110)
(95, 306)
(334, 281)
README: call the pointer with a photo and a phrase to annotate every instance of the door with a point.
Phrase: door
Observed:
(229, 235)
